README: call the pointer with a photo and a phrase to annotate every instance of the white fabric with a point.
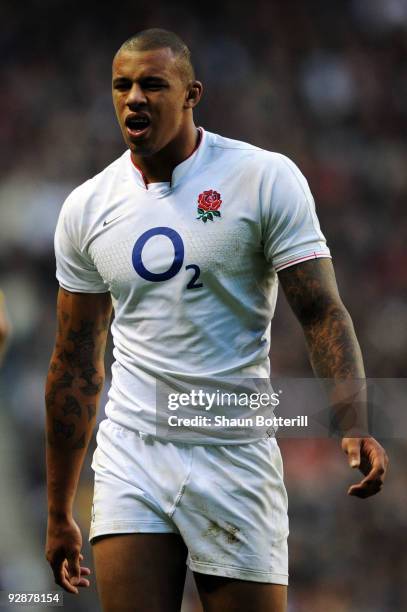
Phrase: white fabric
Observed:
(228, 503)
(172, 329)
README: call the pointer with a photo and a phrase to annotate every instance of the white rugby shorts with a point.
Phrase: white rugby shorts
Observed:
(228, 502)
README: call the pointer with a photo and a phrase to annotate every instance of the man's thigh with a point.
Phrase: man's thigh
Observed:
(140, 572)
(218, 593)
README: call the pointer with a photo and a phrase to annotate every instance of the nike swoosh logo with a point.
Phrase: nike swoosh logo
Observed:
(106, 222)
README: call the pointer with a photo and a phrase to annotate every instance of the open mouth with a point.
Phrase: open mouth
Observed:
(137, 125)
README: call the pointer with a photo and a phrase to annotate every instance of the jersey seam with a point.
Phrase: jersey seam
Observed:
(81, 290)
(311, 253)
(182, 487)
(248, 148)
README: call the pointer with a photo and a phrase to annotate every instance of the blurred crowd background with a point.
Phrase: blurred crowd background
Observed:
(322, 82)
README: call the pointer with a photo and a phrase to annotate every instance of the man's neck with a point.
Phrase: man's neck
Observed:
(158, 168)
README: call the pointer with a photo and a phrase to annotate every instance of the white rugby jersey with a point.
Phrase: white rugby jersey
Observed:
(191, 265)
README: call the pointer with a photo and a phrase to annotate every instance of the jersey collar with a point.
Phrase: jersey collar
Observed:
(180, 171)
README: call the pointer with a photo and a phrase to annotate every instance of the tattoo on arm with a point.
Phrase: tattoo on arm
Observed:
(91, 412)
(80, 357)
(81, 443)
(75, 380)
(71, 406)
(311, 290)
(64, 430)
(64, 382)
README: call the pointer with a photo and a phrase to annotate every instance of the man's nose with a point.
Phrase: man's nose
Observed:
(136, 96)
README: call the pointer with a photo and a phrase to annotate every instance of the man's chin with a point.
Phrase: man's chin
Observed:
(141, 148)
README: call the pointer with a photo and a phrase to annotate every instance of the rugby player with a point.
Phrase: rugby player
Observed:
(187, 234)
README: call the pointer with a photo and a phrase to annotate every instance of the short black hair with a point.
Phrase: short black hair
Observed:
(157, 38)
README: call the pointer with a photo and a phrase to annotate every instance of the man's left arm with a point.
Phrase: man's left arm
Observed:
(311, 290)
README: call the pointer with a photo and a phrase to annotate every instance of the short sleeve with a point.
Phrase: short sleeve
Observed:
(292, 231)
(75, 270)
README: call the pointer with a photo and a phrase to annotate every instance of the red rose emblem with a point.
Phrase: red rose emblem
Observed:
(208, 203)
(209, 200)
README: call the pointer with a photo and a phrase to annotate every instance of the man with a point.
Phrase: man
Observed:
(186, 233)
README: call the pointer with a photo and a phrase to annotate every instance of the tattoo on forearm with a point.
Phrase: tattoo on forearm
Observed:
(65, 382)
(64, 430)
(312, 293)
(91, 387)
(80, 443)
(334, 350)
(71, 406)
(91, 412)
(83, 344)
(74, 382)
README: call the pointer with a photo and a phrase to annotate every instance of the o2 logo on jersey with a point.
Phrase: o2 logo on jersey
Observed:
(175, 267)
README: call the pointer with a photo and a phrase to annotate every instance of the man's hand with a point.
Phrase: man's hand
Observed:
(371, 459)
(63, 553)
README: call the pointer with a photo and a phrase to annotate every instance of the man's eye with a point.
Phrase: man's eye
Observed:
(122, 86)
(154, 86)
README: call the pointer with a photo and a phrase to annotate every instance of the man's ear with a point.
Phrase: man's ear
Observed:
(194, 94)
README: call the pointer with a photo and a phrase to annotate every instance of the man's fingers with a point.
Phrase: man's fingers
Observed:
(364, 490)
(370, 457)
(65, 584)
(74, 568)
(62, 578)
(85, 571)
(371, 484)
(84, 582)
(68, 574)
(352, 449)
(63, 552)
(375, 462)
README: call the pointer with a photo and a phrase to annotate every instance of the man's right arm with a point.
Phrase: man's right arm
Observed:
(74, 384)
